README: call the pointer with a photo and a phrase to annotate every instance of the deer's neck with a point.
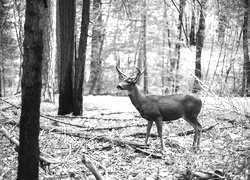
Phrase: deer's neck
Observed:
(136, 98)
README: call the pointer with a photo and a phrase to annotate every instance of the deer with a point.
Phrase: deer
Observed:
(159, 108)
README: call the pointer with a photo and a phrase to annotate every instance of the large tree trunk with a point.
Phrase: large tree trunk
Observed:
(49, 52)
(28, 155)
(97, 40)
(199, 45)
(67, 23)
(80, 61)
(246, 64)
(58, 51)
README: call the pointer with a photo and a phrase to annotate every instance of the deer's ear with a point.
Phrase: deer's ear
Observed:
(134, 79)
(121, 76)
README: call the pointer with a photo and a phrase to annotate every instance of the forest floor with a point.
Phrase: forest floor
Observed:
(111, 134)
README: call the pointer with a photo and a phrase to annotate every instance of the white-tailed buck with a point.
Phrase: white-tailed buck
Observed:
(156, 108)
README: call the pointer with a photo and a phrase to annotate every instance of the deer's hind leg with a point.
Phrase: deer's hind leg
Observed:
(197, 127)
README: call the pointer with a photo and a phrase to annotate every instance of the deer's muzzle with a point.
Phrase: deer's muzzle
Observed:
(119, 87)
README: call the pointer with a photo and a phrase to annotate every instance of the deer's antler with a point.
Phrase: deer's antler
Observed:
(120, 73)
(138, 74)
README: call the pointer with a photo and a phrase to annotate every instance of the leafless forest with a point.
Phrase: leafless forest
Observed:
(62, 116)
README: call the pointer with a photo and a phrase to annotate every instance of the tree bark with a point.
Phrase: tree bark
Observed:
(176, 61)
(49, 54)
(28, 155)
(1, 80)
(67, 27)
(58, 51)
(178, 44)
(192, 29)
(97, 40)
(80, 61)
(1, 50)
(163, 56)
(200, 36)
(144, 47)
(246, 64)
(19, 35)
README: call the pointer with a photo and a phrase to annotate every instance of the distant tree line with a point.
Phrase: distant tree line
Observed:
(155, 36)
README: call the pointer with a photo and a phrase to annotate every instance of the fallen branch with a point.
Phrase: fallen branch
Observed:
(89, 118)
(153, 155)
(192, 131)
(87, 136)
(91, 167)
(12, 139)
(44, 116)
(116, 127)
(142, 135)
(18, 107)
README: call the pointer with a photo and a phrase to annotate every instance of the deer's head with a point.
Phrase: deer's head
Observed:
(127, 83)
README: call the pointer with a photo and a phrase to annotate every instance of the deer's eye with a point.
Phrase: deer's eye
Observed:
(130, 80)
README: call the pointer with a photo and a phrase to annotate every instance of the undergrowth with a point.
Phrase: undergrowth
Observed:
(224, 148)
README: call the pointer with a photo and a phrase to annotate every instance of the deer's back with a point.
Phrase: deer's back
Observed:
(174, 106)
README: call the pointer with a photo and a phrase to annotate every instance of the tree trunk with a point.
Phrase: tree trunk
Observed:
(163, 56)
(49, 54)
(222, 24)
(80, 61)
(19, 35)
(144, 47)
(192, 29)
(58, 51)
(1, 63)
(28, 154)
(246, 64)
(97, 39)
(178, 45)
(67, 27)
(1, 80)
(169, 61)
(199, 45)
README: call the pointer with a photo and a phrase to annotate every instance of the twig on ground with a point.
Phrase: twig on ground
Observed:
(91, 167)
(116, 127)
(59, 121)
(192, 131)
(153, 155)
(18, 107)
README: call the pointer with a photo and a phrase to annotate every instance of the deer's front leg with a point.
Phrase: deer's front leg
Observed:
(158, 123)
(149, 126)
